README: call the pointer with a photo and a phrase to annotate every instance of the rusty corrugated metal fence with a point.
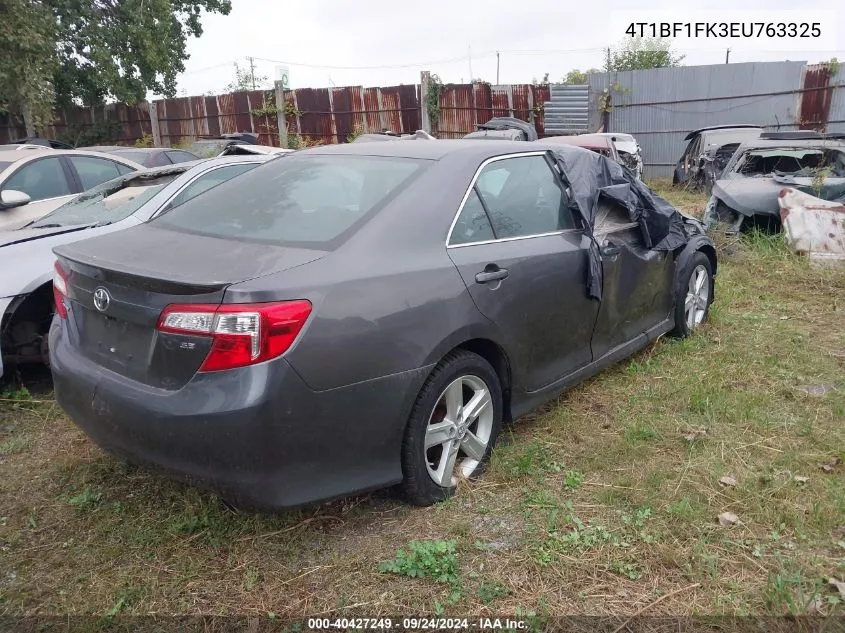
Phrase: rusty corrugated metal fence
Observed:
(317, 115)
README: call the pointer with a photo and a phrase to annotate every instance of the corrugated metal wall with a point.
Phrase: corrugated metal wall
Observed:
(325, 115)
(125, 123)
(660, 106)
(567, 110)
(463, 106)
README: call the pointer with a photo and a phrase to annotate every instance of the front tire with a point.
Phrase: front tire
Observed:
(693, 295)
(452, 429)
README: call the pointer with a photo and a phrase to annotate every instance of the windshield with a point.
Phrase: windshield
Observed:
(796, 161)
(104, 205)
(310, 201)
(4, 164)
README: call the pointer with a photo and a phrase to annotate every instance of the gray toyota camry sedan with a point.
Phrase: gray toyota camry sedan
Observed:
(367, 314)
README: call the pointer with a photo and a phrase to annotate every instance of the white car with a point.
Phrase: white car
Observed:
(34, 181)
(26, 255)
(629, 151)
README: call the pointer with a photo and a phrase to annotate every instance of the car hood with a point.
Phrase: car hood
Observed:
(626, 146)
(28, 235)
(750, 196)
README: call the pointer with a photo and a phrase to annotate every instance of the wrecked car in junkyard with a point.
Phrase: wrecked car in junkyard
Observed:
(630, 153)
(598, 143)
(708, 151)
(286, 340)
(504, 128)
(746, 194)
(26, 255)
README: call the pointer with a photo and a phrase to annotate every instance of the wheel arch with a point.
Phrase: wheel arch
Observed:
(494, 354)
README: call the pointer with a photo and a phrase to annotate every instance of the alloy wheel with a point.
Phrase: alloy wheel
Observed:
(698, 296)
(459, 430)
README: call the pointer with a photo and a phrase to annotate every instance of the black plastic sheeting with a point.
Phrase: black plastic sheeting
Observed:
(590, 177)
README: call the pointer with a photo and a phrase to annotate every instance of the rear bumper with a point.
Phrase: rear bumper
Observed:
(258, 435)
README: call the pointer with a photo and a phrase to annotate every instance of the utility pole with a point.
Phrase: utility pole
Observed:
(471, 76)
(252, 70)
(607, 63)
(727, 55)
(497, 68)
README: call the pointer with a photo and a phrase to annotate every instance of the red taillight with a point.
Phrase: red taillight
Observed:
(60, 290)
(243, 333)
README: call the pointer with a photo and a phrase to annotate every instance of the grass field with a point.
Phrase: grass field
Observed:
(606, 501)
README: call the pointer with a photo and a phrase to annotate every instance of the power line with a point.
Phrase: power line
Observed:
(462, 58)
(202, 70)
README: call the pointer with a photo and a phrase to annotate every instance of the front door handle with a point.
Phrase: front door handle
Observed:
(491, 274)
(610, 249)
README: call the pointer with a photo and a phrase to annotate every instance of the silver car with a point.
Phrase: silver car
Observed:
(26, 255)
(34, 181)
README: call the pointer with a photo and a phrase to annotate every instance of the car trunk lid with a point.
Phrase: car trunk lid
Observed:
(118, 286)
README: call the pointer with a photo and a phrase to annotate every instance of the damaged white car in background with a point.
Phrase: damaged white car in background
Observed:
(812, 226)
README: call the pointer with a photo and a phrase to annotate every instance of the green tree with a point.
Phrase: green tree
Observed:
(27, 61)
(246, 79)
(120, 49)
(579, 77)
(641, 52)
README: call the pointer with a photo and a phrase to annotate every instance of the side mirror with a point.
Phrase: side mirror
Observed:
(10, 198)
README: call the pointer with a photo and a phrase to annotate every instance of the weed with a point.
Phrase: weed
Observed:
(490, 590)
(640, 432)
(251, 578)
(14, 445)
(625, 569)
(521, 461)
(20, 393)
(426, 559)
(86, 499)
(573, 479)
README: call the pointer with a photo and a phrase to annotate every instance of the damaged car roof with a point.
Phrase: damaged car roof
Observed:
(721, 127)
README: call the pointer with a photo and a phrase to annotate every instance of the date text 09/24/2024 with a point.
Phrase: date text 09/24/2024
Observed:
(416, 624)
(724, 30)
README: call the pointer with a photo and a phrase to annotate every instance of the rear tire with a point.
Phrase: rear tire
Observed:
(693, 295)
(452, 428)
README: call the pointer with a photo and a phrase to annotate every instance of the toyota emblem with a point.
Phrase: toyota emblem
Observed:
(102, 299)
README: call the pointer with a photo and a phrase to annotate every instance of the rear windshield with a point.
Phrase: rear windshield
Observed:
(310, 201)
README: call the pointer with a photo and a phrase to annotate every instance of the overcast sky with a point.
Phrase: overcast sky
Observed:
(382, 43)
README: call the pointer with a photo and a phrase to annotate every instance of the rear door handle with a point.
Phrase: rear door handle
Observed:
(610, 249)
(491, 274)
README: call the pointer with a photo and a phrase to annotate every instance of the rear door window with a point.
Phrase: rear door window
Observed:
(524, 198)
(311, 201)
(93, 171)
(40, 179)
